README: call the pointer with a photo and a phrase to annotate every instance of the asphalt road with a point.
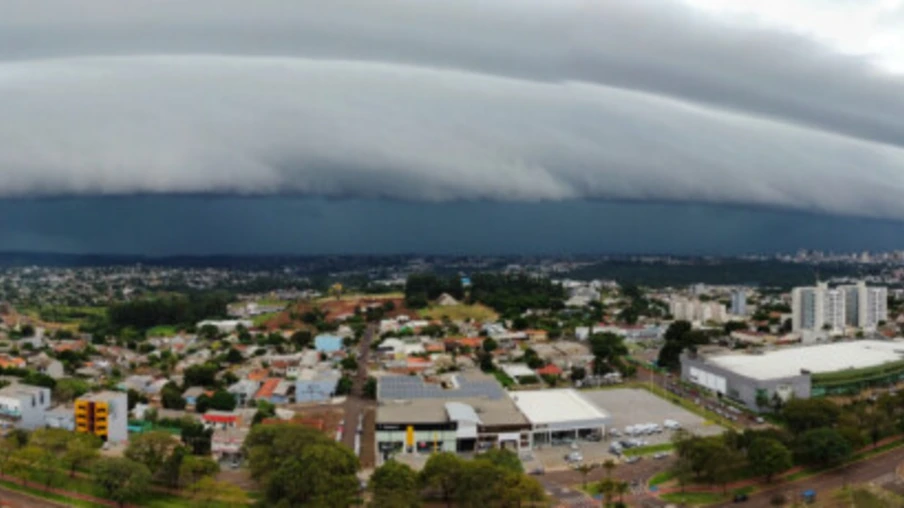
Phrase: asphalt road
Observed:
(357, 407)
(860, 472)
(15, 499)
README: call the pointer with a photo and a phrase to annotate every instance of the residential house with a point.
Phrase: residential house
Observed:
(327, 343)
(244, 390)
(267, 388)
(221, 420)
(316, 386)
(49, 366)
(191, 395)
(283, 392)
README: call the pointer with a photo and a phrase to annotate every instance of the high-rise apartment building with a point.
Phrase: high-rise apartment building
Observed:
(865, 306)
(695, 310)
(821, 308)
(739, 302)
(104, 414)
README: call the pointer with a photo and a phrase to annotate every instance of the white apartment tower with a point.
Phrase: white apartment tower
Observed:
(865, 306)
(820, 308)
(817, 308)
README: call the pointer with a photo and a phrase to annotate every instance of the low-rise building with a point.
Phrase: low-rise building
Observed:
(316, 385)
(24, 406)
(104, 414)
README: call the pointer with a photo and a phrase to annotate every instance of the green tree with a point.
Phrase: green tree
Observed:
(81, 450)
(822, 447)
(151, 449)
(68, 389)
(265, 409)
(478, 484)
(769, 457)
(34, 462)
(370, 388)
(234, 356)
(441, 473)
(210, 493)
(297, 465)
(585, 469)
(490, 345)
(802, 415)
(193, 468)
(302, 339)
(222, 401)
(505, 459)
(516, 489)
(121, 480)
(171, 396)
(394, 485)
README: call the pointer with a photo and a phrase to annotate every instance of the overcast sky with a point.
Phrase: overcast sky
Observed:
(774, 108)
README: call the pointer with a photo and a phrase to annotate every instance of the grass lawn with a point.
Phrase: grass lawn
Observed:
(647, 450)
(503, 378)
(162, 331)
(661, 477)
(262, 319)
(695, 498)
(477, 312)
(866, 497)
(47, 495)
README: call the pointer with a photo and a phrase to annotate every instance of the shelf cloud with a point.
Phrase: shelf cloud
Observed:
(441, 101)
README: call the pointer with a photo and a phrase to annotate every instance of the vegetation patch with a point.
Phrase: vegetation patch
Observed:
(694, 498)
(662, 477)
(647, 450)
(461, 312)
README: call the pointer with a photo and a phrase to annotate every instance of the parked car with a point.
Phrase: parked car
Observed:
(538, 471)
(574, 457)
(633, 459)
(660, 455)
(740, 498)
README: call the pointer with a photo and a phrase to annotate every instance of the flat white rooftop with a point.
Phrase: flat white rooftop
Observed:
(515, 370)
(816, 359)
(558, 408)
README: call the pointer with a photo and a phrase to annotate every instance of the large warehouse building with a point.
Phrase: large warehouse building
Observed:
(756, 378)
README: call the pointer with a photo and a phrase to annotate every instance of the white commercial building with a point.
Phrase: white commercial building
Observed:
(557, 416)
(801, 372)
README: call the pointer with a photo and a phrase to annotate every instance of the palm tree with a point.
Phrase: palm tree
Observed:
(609, 465)
(585, 470)
(606, 487)
(621, 488)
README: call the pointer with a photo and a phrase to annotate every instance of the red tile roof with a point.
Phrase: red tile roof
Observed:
(549, 370)
(268, 387)
(220, 418)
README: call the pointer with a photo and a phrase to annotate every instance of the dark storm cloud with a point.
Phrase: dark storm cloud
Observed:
(439, 101)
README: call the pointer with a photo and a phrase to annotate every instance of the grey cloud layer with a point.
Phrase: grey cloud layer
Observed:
(440, 101)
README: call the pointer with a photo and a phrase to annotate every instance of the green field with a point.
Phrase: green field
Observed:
(648, 450)
(661, 477)
(162, 331)
(261, 320)
(476, 312)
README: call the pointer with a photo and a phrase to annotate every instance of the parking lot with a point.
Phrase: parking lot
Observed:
(631, 406)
